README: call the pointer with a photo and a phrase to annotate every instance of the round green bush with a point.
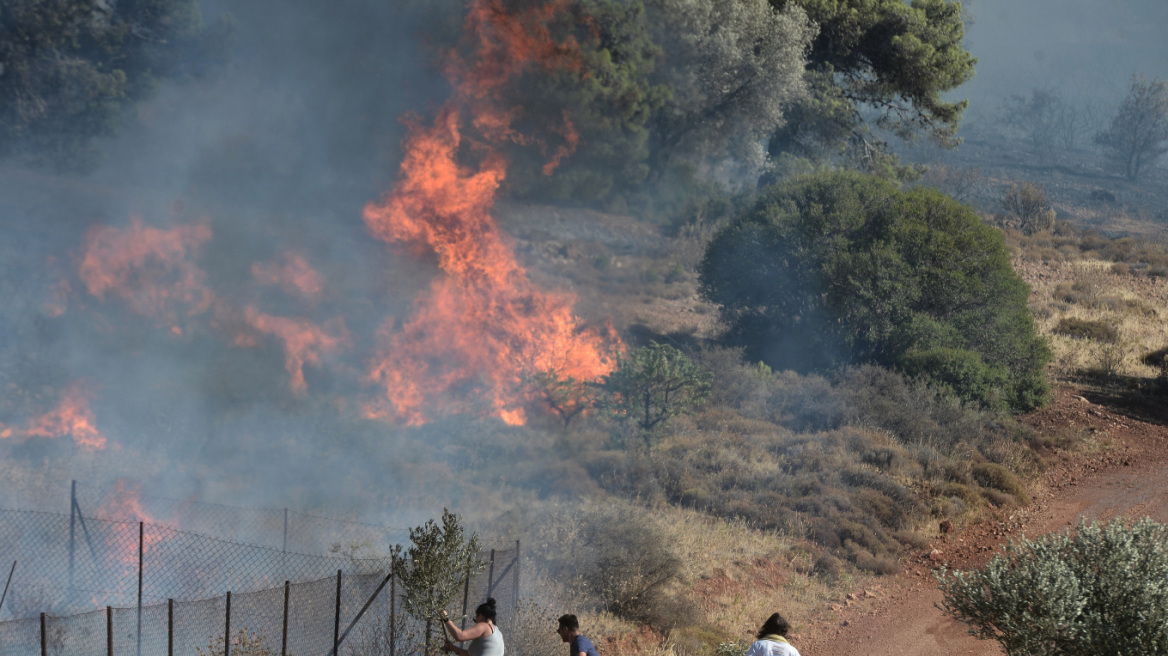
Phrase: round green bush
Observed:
(840, 268)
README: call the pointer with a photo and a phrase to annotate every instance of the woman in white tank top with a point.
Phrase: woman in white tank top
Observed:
(485, 638)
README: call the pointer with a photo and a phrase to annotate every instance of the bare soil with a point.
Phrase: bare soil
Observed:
(1123, 477)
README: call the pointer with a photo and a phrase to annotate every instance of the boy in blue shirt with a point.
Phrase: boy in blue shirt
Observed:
(578, 645)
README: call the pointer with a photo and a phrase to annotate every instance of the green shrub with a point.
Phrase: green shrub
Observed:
(1099, 331)
(964, 372)
(842, 267)
(1102, 590)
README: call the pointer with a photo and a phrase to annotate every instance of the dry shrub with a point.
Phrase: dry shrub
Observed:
(1108, 358)
(1099, 331)
(629, 567)
(996, 477)
(1027, 205)
(530, 630)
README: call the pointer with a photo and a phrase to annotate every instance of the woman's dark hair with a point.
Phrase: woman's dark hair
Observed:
(487, 609)
(775, 625)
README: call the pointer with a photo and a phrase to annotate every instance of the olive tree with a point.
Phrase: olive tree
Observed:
(436, 565)
(1138, 134)
(732, 69)
(1101, 590)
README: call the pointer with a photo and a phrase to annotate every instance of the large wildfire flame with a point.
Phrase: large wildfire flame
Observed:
(71, 417)
(484, 324)
(482, 332)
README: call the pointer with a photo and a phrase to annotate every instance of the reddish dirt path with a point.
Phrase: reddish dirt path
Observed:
(1127, 479)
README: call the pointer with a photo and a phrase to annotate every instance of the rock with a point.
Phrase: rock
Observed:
(935, 555)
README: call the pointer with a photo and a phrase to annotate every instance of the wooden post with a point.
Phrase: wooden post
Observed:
(284, 632)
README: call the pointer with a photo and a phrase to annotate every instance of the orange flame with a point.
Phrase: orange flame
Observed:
(304, 342)
(148, 269)
(71, 417)
(294, 275)
(484, 323)
(124, 504)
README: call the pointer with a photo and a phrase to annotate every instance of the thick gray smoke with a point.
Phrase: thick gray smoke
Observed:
(273, 154)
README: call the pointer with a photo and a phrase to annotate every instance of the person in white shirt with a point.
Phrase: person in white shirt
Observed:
(772, 639)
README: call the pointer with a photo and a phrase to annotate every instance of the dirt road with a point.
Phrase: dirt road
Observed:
(1128, 479)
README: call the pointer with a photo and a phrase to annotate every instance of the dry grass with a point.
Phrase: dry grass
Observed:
(1133, 305)
(732, 574)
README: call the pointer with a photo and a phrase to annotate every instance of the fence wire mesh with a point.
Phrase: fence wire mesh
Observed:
(278, 528)
(68, 563)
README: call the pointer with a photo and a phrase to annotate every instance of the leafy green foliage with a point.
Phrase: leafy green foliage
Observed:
(654, 384)
(608, 103)
(893, 57)
(438, 561)
(666, 87)
(732, 68)
(70, 68)
(1138, 134)
(838, 268)
(1102, 590)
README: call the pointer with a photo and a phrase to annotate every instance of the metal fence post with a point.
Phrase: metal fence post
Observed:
(141, 535)
(170, 627)
(516, 573)
(284, 631)
(109, 631)
(44, 636)
(465, 596)
(72, 532)
(337, 617)
(393, 605)
(491, 575)
(6, 584)
(227, 628)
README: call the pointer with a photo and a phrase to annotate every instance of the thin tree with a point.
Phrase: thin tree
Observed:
(1138, 134)
(653, 384)
(437, 563)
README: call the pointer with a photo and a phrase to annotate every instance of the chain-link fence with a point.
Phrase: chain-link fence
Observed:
(279, 528)
(340, 614)
(163, 590)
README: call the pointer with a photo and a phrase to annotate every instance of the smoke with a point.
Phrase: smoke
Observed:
(200, 314)
(1085, 50)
